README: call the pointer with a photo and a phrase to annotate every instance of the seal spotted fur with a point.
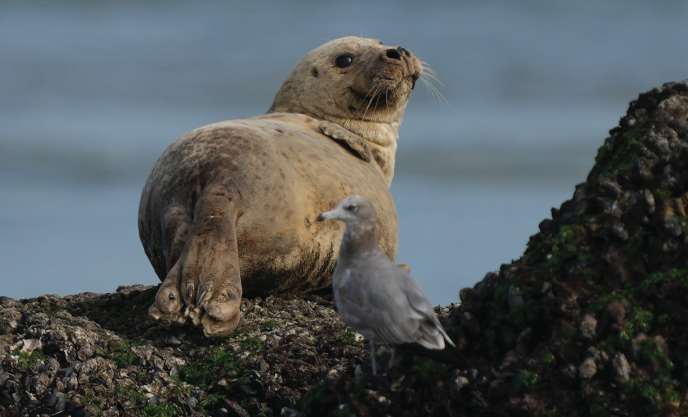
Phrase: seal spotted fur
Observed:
(230, 208)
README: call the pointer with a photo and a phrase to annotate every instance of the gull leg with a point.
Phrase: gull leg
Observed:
(372, 356)
(391, 358)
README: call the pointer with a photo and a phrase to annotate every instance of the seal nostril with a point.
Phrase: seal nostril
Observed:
(393, 53)
(404, 51)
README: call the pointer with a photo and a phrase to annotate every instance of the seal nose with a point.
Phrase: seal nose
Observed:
(394, 53)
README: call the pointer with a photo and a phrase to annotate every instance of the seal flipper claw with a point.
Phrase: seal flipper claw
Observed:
(356, 143)
(168, 301)
(217, 328)
(223, 305)
(211, 265)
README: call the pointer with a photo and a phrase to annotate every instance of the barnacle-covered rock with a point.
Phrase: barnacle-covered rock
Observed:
(97, 354)
(609, 266)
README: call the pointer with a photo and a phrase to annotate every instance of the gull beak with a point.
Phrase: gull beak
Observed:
(328, 215)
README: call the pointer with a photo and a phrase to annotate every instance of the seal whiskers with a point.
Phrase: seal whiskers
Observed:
(370, 100)
(426, 78)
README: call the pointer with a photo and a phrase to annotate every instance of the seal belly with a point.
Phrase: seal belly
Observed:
(281, 248)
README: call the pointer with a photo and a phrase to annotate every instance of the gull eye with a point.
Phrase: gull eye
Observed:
(344, 61)
(352, 207)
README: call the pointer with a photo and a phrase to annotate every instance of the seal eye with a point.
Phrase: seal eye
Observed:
(344, 61)
(352, 207)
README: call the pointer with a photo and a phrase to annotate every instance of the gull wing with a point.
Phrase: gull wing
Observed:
(382, 301)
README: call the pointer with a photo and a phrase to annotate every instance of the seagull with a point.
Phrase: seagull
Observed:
(375, 297)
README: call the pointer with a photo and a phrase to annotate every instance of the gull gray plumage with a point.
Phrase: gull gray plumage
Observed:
(375, 297)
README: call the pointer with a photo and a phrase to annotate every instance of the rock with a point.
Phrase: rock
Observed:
(514, 298)
(588, 328)
(9, 319)
(621, 370)
(607, 187)
(620, 231)
(641, 173)
(672, 226)
(469, 322)
(569, 373)
(511, 360)
(649, 201)
(528, 405)
(470, 300)
(587, 369)
(458, 383)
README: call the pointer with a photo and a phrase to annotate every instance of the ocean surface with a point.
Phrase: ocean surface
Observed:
(92, 92)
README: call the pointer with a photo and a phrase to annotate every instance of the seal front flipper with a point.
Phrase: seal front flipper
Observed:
(206, 275)
(356, 143)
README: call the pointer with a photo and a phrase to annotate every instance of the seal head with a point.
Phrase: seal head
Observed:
(357, 83)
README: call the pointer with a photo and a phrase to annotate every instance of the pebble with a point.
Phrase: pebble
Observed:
(588, 328)
(514, 299)
(649, 200)
(621, 370)
(511, 358)
(587, 369)
(458, 384)
(641, 172)
(672, 226)
(608, 188)
(620, 231)
(616, 210)
(569, 372)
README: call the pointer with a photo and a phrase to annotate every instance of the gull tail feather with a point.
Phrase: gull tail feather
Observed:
(449, 355)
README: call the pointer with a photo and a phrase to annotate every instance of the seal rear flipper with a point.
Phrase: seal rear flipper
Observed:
(354, 142)
(206, 275)
(168, 301)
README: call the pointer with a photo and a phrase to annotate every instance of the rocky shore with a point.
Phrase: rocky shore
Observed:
(591, 320)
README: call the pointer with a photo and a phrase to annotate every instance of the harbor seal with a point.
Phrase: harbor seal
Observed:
(230, 208)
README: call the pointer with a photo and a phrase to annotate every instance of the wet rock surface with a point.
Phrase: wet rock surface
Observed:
(591, 320)
(99, 354)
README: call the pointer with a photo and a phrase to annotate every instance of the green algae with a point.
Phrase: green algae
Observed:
(208, 403)
(203, 371)
(610, 162)
(146, 409)
(268, 325)
(348, 338)
(28, 359)
(598, 410)
(254, 344)
(427, 370)
(161, 410)
(569, 332)
(315, 395)
(525, 381)
(548, 362)
(89, 398)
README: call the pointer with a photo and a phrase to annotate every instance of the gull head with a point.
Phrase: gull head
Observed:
(353, 209)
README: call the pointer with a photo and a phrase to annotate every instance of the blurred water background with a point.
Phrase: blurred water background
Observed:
(92, 92)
